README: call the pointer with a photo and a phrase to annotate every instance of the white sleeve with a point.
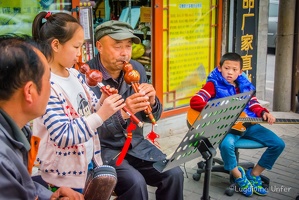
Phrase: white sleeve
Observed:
(94, 121)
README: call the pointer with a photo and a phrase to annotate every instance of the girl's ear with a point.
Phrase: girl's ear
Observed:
(55, 45)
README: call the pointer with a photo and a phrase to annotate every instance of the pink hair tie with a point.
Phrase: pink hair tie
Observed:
(48, 15)
(44, 20)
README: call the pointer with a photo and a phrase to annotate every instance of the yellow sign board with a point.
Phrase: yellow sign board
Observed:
(145, 14)
(190, 46)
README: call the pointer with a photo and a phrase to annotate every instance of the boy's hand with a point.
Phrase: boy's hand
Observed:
(269, 118)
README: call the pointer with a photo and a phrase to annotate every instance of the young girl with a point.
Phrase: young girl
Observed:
(69, 140)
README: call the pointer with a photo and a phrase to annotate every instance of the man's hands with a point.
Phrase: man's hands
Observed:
(149, 91)
(140, 101)
(65, 193)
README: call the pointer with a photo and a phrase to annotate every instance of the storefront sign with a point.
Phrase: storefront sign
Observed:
(246, 35)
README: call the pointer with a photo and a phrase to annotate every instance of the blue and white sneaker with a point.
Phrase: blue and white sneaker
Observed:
(256, 183)
(244, 184)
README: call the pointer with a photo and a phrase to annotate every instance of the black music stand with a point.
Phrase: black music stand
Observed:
(205, 135)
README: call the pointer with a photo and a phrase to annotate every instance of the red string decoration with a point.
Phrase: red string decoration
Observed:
(126, 146)
(152, 136)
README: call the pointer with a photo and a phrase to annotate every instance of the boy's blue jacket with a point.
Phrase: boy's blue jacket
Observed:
(224, 88)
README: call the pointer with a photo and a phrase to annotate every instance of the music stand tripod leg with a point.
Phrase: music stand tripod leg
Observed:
(208, 152)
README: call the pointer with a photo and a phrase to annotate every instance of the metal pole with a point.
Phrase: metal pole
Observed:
(206, 186)
(130, 15)
(284, 56)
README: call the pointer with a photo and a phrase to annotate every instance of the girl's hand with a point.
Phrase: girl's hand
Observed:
(110, 106)
(111, 90)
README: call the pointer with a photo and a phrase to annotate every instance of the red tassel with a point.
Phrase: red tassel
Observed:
(152, 137)
(131, 127)
(126, 146)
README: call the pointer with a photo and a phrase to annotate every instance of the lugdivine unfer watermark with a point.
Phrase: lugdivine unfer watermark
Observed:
(271, 188)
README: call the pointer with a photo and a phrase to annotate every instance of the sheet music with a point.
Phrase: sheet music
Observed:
(213, 123)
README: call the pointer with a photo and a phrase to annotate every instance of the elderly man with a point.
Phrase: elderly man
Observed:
(114, 41)
(24, 93)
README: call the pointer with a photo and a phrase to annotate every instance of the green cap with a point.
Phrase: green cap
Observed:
(117, 30)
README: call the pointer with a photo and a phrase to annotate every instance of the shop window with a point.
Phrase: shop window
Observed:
(138, 14)
(16, 16)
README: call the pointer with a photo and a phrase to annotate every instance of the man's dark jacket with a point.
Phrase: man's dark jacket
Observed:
(112, 133)
(15, 181)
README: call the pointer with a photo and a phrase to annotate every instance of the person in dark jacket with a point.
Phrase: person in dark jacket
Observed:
(24, 93)
(114, 43)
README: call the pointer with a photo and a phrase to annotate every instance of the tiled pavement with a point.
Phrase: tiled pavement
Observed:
(284, 177)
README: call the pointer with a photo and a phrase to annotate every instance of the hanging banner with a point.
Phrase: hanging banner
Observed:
(246, 33)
